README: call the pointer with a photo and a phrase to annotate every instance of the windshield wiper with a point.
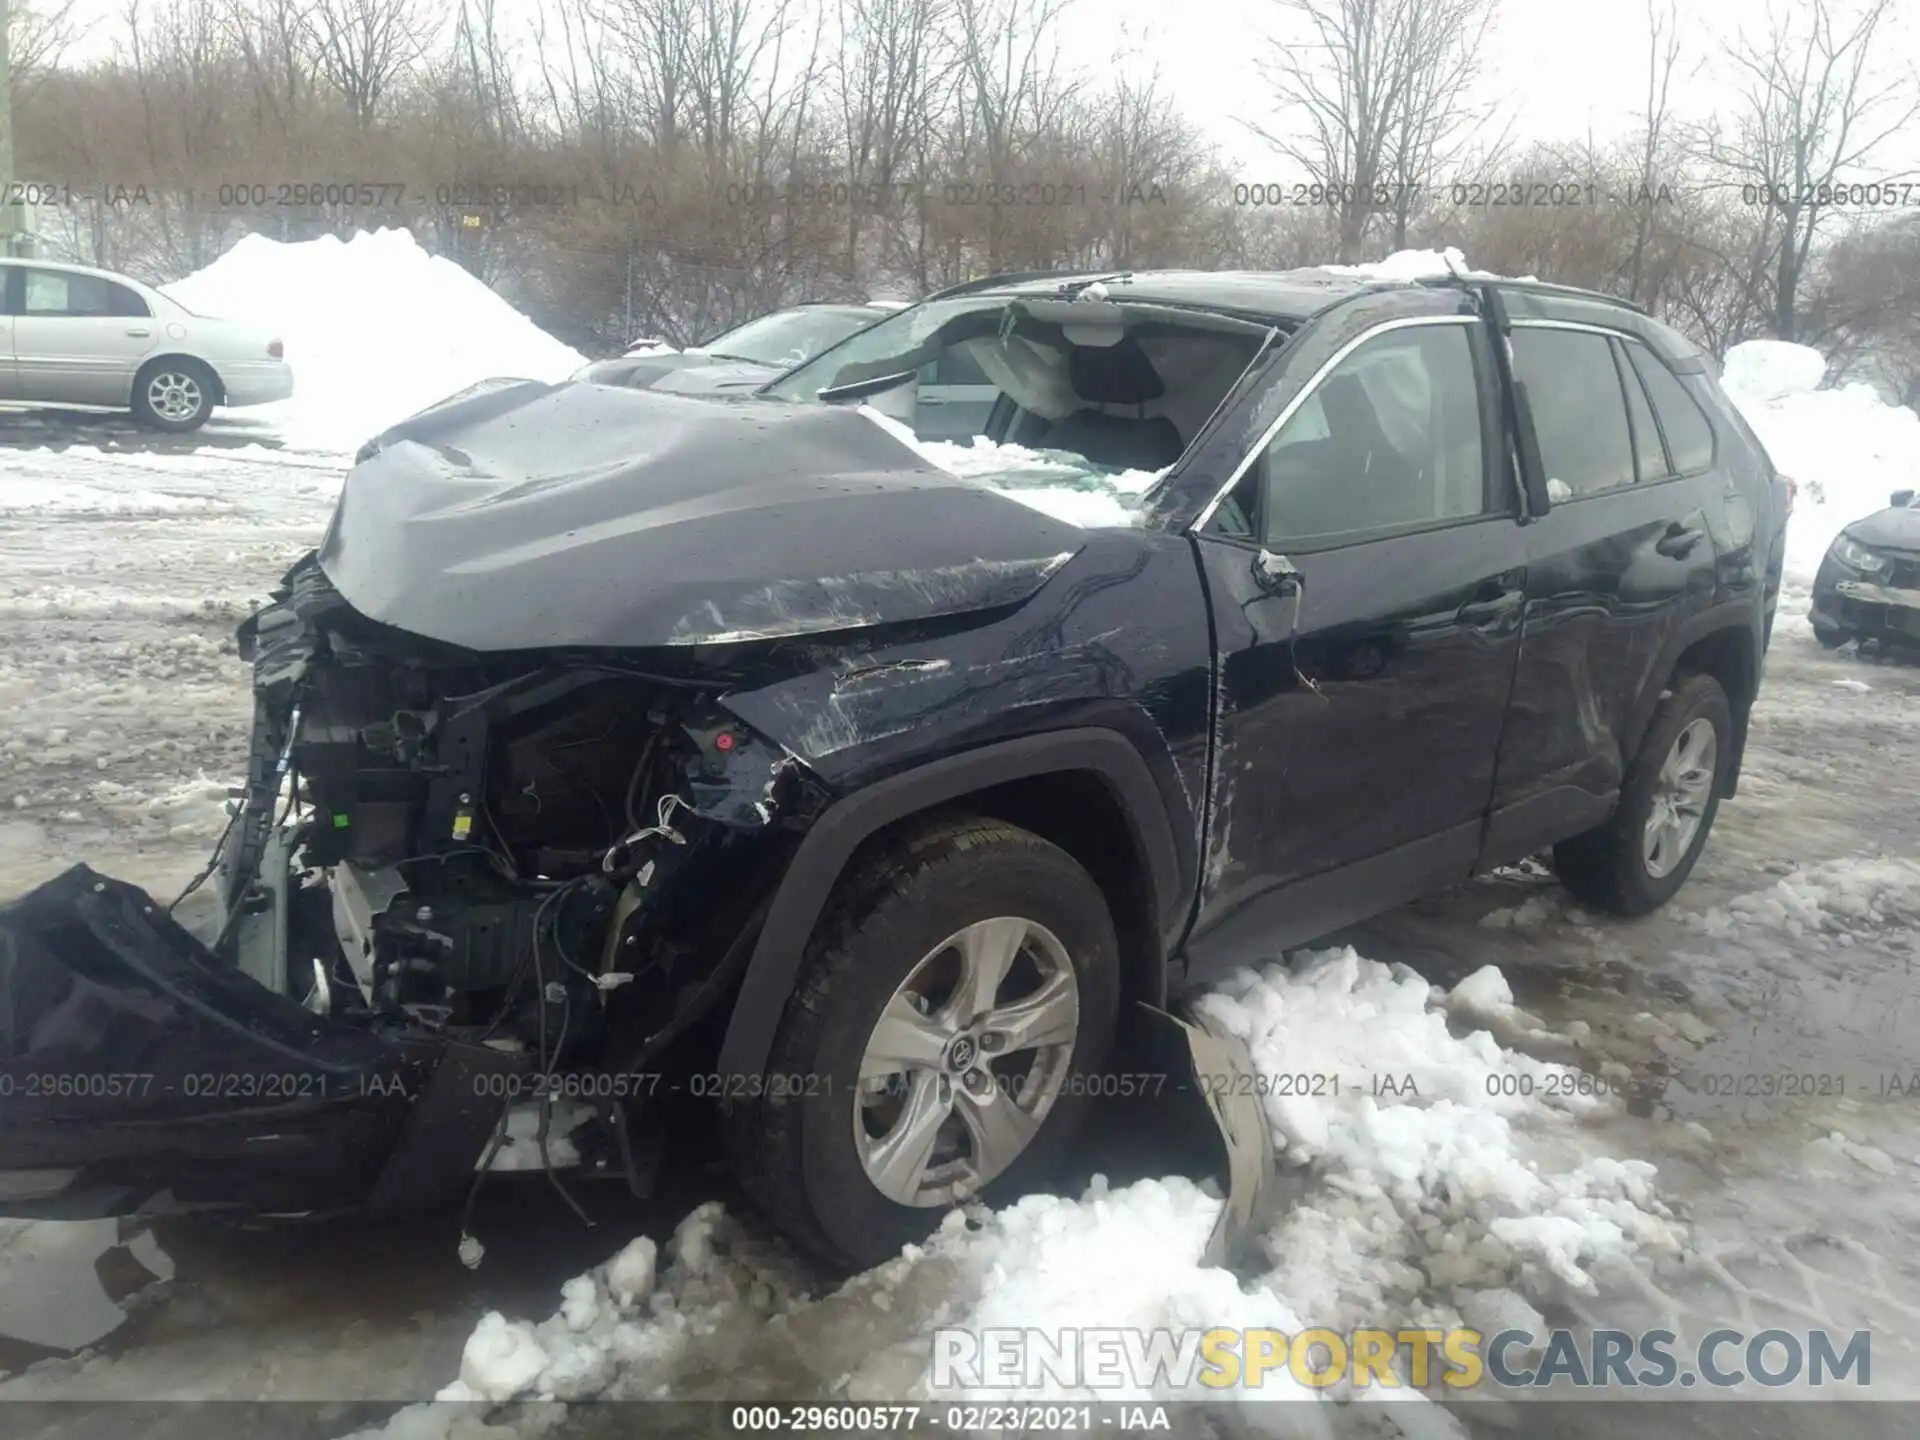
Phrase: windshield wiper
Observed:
(861, 389)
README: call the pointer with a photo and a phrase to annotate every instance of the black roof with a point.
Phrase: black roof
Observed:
(1276, 294)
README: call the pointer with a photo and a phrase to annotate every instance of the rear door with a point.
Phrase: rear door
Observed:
(78, 339)
(1621, 562)
(1360, 705)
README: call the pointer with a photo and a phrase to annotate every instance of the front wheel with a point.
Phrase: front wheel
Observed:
(961, 987)
(173, 395)
(1637, 860)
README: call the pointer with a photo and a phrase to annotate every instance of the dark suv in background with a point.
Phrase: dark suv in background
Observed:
(630, 735)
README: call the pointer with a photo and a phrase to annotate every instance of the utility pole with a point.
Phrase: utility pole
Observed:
(13, 229)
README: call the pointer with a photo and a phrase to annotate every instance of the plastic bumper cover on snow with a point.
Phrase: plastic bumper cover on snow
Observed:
(140, 1073)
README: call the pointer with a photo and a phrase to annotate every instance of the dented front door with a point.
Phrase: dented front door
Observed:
(1366, 574)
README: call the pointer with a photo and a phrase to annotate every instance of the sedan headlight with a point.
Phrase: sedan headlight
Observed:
(1855, 556)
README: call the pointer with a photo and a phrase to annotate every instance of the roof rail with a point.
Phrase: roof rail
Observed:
(1544, 286)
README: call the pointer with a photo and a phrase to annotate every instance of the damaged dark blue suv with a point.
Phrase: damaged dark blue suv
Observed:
(616, 743)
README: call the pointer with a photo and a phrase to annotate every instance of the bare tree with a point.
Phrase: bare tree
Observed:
(1009, 89)
(1381, 86)
(1442, 43)
(276, 40)
(365, 46)
(1815, 103)
(1663, 59)
(37, 36)
(893, 56)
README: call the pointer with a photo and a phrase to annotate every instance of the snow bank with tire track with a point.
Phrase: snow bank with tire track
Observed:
(1460, 1191)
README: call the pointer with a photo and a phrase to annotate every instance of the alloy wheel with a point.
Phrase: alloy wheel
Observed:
(1680, 795)
(968, 1056)
(174, 395)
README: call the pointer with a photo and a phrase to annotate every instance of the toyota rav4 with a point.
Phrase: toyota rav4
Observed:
(859, 782)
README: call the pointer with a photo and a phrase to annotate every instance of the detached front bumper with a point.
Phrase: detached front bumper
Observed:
(139, 1073)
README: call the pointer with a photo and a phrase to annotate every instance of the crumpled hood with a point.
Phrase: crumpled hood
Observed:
(521, 516)
(1889, 529)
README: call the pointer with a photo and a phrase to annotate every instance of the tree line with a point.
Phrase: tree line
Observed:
(671, 167)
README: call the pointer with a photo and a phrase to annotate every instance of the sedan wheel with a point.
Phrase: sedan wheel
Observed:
(174, 395)
(967, 1059)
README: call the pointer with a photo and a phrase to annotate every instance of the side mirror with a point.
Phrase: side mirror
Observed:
(1275, 574)
(1902, 498)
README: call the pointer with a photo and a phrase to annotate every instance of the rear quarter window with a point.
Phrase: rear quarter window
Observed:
(1688, 432)
(125, 303)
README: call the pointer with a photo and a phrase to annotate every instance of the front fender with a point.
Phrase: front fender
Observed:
(830, 843)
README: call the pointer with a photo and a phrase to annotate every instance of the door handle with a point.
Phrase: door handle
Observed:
(139, 334)
(1679, 540)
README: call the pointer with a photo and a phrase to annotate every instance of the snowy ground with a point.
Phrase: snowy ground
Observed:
(1793, 949)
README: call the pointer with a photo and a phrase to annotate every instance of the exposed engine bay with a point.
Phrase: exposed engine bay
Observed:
(559, 754)
(529, 854)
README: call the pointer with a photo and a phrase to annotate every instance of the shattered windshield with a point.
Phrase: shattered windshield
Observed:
(1077, 405)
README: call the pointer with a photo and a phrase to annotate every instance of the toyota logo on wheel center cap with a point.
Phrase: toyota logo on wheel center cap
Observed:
(962, 1053)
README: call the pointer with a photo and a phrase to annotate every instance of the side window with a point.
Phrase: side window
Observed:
(1648, 454)
(1689, 433)
(123, 302)
(1579, 410)
(1390, 437)
(55, 292)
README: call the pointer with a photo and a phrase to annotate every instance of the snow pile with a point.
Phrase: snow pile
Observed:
(1440, 1183)
(1770, 370)
(1054, 482)
(1847, 449)
(1836, 896)
(375, 329)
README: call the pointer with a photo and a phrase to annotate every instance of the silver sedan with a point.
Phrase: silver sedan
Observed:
(75, 336)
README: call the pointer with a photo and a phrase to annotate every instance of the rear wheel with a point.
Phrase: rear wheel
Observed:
(1637, 860)
(963, 980)
(173, 394)
(1830, 637)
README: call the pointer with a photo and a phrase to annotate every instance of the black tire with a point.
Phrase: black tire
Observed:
(1830, 638)
(795, 1153)
(1606, 867)
(189, 375)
